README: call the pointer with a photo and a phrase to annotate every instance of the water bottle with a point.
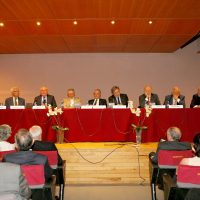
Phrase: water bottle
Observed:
(35, 104)
(129, 104)
(167, 106)
(62, 104)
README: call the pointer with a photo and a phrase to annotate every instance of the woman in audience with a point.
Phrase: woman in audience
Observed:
(195, 161)
(5, 133)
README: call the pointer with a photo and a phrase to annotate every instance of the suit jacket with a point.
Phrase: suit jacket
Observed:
(46, 146)
(123, 97)
(9, 102)
(171, 146)
(101, 102)
(12, 181)
(154, 99)
(50, 100)
(67, 102)
(170, 99)
(29, 158)
(195, 100)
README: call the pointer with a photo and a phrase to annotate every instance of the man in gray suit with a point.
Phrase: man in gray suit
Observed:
(12, 181)
(175, 98)
(117, 98)
(15, 100)
(148, 97)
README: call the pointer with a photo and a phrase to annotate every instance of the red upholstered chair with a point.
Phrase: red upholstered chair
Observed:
(59, 171)
(167, 163)
(187, 177)
(35, 177)
(2, 153)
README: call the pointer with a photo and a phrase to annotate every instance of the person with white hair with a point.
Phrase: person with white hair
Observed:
(175, 98)
(15, 100)
(5, 133)
(39, 145)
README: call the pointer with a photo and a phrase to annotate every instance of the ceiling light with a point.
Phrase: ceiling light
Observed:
(150, 22)
(1, 24)
(75, 22)
(38, 23)
(112, 22)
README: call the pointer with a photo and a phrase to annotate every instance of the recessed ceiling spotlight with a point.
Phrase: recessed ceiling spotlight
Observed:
(150, 22)
(1, 24)
(38, 23)
(113, 22)
(75, 22)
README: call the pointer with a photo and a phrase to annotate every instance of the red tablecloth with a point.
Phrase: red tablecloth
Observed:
(96, 125)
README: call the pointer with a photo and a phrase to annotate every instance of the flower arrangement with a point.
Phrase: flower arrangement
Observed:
(139, 128)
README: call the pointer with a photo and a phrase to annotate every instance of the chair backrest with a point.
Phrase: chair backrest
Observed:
(171, 159)
(188, 176)
(8, 197)
(34, 175)
(52, 157)
(2, 153)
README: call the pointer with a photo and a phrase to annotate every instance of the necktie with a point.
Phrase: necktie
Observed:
(118, 102)
(15, 101)
(175, 102)
(148, 101)
(95, 103)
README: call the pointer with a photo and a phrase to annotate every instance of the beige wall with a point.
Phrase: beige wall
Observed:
(85, 72)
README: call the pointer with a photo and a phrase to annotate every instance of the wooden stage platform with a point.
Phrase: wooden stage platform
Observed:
(119, 167)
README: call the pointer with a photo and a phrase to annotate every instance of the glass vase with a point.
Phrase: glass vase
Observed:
(60, 136)
(139, 136)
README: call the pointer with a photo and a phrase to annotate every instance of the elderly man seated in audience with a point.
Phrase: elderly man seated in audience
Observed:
(13, 182)
(5, 133)
(172, 143)
(39, 145)
(23, 142)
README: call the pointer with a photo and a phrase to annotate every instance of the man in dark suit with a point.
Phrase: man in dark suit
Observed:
(39, 145)
(97, 100)
(25, 156)
(45, 99)
(15, 100)
(172, 143)
(12, 181)
(148, 97)
(117, 98)
(196, 100)
(175, 98)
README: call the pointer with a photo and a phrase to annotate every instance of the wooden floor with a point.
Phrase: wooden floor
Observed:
(120, 166)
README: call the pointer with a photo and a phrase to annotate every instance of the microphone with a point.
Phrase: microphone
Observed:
(44, 101)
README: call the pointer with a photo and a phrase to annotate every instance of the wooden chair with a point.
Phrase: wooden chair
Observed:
(167, 163)
(35, 177)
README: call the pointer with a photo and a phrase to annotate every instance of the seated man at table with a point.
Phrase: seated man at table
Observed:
(175, 98)
(97, 100)
(15, 100)
(172, 144)
(13, 182)
(117, 98)
(196, 100)
(71, 99)
(39, 145)
(44, 99)
(148, 97)
(23, 142)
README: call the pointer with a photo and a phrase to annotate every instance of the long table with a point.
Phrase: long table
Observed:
(103, 125)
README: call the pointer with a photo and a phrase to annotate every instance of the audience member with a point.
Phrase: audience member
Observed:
(71, 99)
(44, 99)
(15, 100)
(175, 98)
(5, 133)
(97, 100)
(172, 143)
(117, 98)
(39, 145)
(12, 181)
(148, 97)
(196, 100)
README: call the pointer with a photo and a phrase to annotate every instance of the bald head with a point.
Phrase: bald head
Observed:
(174, 134)
(148, 91)
(14, 92)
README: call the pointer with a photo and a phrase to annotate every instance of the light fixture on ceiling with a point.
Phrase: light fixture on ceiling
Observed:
(150, 22)
(1, 24)
(112, 22)
(38, 23)
(75, 22)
